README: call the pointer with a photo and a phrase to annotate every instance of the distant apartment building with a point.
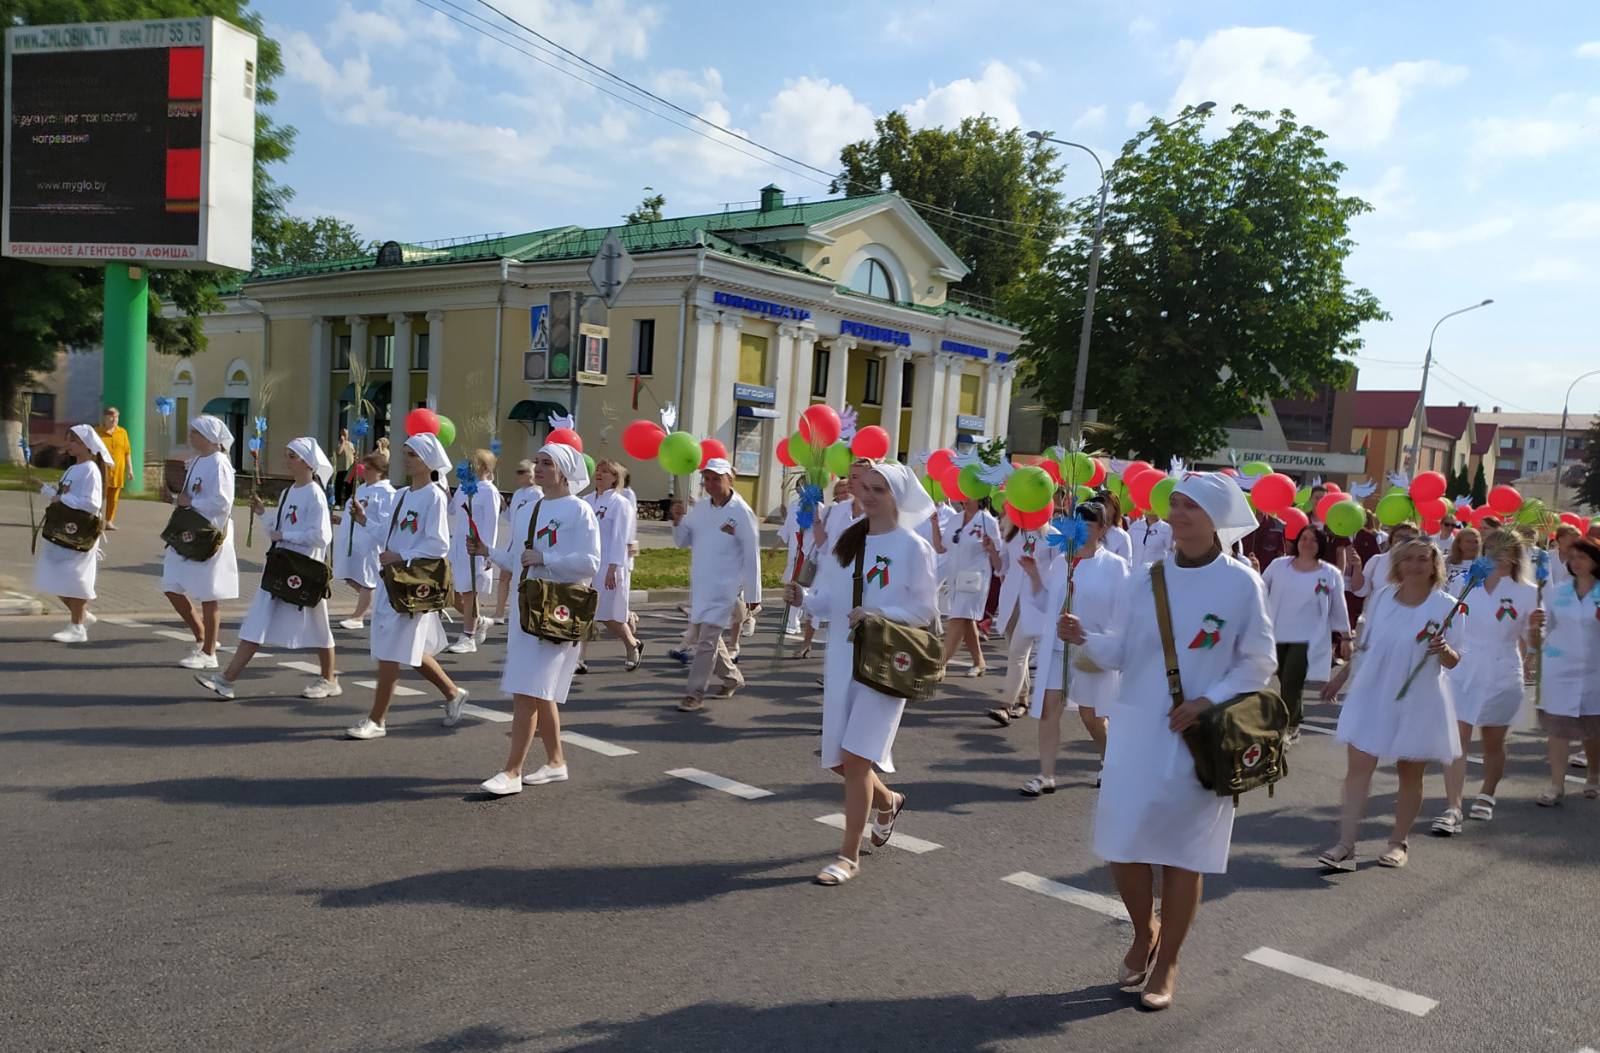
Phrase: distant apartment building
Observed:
(1529, 443)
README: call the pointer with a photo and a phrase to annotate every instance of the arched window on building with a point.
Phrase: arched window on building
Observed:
(872, 278)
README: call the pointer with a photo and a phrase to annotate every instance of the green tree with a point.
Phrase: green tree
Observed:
(1459, 484)
(290, 239)
(1589, 484)
(648, 210)
(47, 308)
(975, 168)
(1222, 285)
(1480, 485)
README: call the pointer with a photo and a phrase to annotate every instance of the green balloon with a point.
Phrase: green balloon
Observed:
(1029, 489)
(1255, 468)
(1346, 518)
(1077, 468)
(1083, 493)
(447, 430)
(801, 452)
(588, 462)
(679, 454)
(974, 487)
(931, 485)
(1302, 499)
(838, 458)
(1115, 484)
(1395, 508)
(1161, 497)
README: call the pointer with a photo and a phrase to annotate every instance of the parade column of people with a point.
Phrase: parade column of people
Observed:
(208, 489)
(724, 579)
(65, 572)
(355, 555)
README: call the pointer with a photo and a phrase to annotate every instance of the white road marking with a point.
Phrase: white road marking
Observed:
(1110, 907)
(605, 749)
(126, 623)
(905, 841)
(303, 667)
(182, 637)
(1318, 730)
(400, 691)
(470, 710)
(1349, 983)
(717, 782)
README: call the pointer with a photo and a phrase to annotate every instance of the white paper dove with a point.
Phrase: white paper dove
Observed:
(669, 415)
(563, 422)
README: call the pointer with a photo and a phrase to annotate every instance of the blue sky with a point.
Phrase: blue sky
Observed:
(1472, 127)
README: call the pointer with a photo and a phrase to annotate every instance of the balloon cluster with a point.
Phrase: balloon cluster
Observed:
(424, 421)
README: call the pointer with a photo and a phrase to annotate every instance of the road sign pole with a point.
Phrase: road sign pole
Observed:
(125, 328)
(573, 357)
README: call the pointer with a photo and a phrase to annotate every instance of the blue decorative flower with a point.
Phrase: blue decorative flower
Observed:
(810, 498)
(495, 446)
(1479, 571)
(1541, 566)
(360, 428)
(468, 481)
(254, 444)
(1068, 534)
(165, 406)
(261, 425)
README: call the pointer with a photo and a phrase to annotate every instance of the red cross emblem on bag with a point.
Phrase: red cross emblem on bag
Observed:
(188, 535)
(424, 591)
(1252, 755)
(902, 661)
(72, 528)
(561, 613)
(293, 581)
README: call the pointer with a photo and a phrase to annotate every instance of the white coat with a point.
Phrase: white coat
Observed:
(567, 535)
(724, 558)
(1571, 685)
(209, 484)
(1307, 606)
(416, 525)
(61, 571)
(1015, 585)
(1097, 584)
(1374, 719)
(486, 516)
(614, 517)
(355, 557)
(1487, 682)
(305, 525)
(967, 567)
(1151, 541)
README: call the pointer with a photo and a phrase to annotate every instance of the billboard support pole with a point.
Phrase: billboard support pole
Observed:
(126, 322)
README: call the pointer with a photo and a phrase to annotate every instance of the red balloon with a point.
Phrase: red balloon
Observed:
(567, 437)
(1134, 468)
(1028, 520)
(1140, 485)
(1435, 509)
(939, 461)
(1294, 521)
(871, 441)
(1481, 513)
(1231, 471)
(422, 421)
(1431, 526)
(710, 448)
(819, 426)
(1097, 476)
(951, 483)
(1505, 499)
(1573, 519)
(1427, 486)
(783, 453)
(1328, 501)
(1052, 469)
(642, 439)
(1332, 488)
(1274, 493)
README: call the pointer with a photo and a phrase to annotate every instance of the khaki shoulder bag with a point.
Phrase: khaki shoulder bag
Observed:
(295, 577)
(419, 586)
(904, 661)
(69, 527)
(190, 534)
(557, 611)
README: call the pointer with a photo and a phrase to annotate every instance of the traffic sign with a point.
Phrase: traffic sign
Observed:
(611, 268)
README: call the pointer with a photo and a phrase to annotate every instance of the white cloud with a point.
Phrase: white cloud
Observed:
(1472, 234)
(1589, 50)
(1090, 120)
(812, 119)
(1567, 122)
(1270, 67)
(686, 87)
(1138, 113)
(1553, 269)
(1388, 195)
(1576, 221)
(602, 31)
(909, 27)
(994, 94)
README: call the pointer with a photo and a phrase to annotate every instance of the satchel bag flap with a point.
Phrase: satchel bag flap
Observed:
(70, 527)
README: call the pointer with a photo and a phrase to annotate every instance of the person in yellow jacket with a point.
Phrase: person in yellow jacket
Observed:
(121, 468)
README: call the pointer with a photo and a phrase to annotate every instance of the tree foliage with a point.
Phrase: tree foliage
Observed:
(1480, 483)
(975, 168)
(1589, 484)
(648, 210)
(60, 306)
(291, 239)
(1222, 284)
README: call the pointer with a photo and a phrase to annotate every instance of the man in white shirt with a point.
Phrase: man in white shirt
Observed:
(724, 577)
(1152, 540)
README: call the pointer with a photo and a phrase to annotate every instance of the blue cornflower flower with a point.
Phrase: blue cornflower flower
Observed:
(1068, 534)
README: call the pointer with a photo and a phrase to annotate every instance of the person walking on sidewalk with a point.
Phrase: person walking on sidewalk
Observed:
(416, 526)
(208, 489)
(119, 454)
(859, 723)
(558, 539)
(724, 579)
(303, 524)
(69, 573)
(355, 554)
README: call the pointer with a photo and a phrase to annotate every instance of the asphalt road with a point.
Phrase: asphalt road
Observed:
(181, 873)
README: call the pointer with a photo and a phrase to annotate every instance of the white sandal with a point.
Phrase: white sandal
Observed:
(1482, 808)
(1038, 785)
(881, 832)
(838, 872)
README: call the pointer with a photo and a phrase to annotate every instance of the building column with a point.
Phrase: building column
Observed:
(952, 398)
(727, 373)
(894, 361)
(784, 381)
(321, 375)
(805, 347)
(922, 396)
(991, 398)
(1003, 410)
(699, 373)
(839, 370)
(435, 358)
(399, 392)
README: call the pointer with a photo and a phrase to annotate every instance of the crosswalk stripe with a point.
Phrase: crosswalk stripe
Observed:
(1111, 908)
(905, 841)
(303, 667)
(717, 782)
(126, 623)
(470, 710)
(605, 749)
(1349, 983)
(400, 690)
(182, 637)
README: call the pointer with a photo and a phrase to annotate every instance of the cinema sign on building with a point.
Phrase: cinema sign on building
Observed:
(740, 319)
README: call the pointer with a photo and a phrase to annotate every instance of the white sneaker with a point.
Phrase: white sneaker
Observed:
(71, 634)
(502, 784)
(452, 708)
(198, 659)
(482, 632)
(465, 645)
(367, 728)
(353, 623)
(545, 774)
(320, 688)
(89, 618)
(216, 685)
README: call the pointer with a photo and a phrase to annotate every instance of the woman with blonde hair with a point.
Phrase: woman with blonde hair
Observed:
(1465, 547)
(614, 515)
(473, 577)
(1400, 704)
(69, 573)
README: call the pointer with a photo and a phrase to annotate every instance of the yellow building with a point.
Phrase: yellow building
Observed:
(740, 319)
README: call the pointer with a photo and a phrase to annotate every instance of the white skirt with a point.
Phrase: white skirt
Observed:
(60, 571)
(461, 567)
(537, 668)
(272, 623)
(1096, 691)
(359, 564)
(613, 606)
(215, 579)
(1421, 727)
(855, 718)
(968, 604)
(405, 638)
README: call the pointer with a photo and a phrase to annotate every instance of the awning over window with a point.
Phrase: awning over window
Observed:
(758, 412)
(536, 411)
(375, 393)
(224, 405)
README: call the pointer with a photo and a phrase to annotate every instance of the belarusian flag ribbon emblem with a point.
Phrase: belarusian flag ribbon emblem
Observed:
(880, 572)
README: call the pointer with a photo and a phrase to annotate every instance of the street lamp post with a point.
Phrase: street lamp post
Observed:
(1080, 379)
(1422, 395)
(1561, 443)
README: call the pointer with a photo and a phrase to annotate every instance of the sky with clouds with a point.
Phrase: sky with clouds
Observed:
(1475, 135)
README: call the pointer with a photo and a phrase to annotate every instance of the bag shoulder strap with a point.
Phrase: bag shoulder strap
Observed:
(394, 517)
(533, 526)
(861, 560)
(1169, 648)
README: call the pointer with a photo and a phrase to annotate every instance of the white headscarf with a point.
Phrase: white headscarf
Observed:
(719, 465)
(569, 463)
(310, 451)
(912, 504)
(428, 447)
(86, 434)
(213, 429)
(1223, 502)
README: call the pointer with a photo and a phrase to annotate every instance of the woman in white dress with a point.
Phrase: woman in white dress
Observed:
(302, 524)
(64, 572)
(615, 516)
(972, 542)
(473, 577)
(858, 723)
(416, 526)
(559, 539)
(1305, 599)
(1569, 703)
(1117, 540)
(1025, 564)
(1464, 548)
(1401, 624)
(525, 493)
(1098, 578)
(355, 557)
(208, 489)
(1152, 810)
(794, 539)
